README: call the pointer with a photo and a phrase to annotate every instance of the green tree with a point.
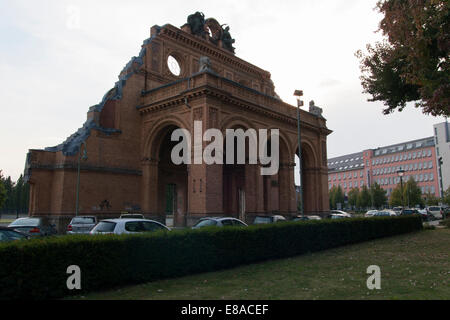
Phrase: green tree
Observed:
(412, 194)
(396, 197)
(353, 197)
(2, 191)
(412, 62)
(364, 199)
(378, 195)
(336, 196)
(431, 199)
(446, 198)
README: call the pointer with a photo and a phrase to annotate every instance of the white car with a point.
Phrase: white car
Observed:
(436, 211)
(370, 213)
(127, 226)
(347, 215)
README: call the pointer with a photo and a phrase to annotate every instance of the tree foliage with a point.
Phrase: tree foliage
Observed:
(353, 195)
(16, 195)
(378, 195)
(336, 196)
(2, 191)
(446, 198)
(364, 198)
(412, 62)
(395, 199)
(412, 193)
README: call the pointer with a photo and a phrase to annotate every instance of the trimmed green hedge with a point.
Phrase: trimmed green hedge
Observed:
(36, 269)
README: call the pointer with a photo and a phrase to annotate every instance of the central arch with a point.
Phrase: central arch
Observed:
(168, 182)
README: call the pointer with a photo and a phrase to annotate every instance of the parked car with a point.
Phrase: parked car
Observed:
(385, 213)
(397, 210)
(268, 219)
(406, 212)
(127, 226)
(306, 218)
(9, 234)
(370, 213)
(426, 215)
(34, 226)
(436, 211)
(81, 224)
(219, 222)
(132, 216)
(338, 216)
(348, 215)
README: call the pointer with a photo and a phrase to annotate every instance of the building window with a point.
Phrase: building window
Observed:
(424, 165)
(415, 166)
(420, 165)
(429, 152)
(361, 183)
(414, 155)
(432, 189)
(430, 165)
(425, 177)
(356, 184)
(431, 176)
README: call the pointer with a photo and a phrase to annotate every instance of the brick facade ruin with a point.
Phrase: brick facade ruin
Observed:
(127, 139)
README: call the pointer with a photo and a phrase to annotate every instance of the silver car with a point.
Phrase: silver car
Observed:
(34, 226)
(127, 226)
(81, 224)
(268, 219)
(219, 222)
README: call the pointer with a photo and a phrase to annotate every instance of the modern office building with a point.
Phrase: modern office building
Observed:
(416, 158)
(442, 141)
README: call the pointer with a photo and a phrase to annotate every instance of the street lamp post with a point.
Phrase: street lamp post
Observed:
(84, 157)
(299, 93)
(400, 173)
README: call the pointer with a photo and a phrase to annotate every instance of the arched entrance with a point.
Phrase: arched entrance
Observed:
(171, 182)
(307, 179)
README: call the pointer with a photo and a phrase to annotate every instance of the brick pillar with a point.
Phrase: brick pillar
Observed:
(150, 187)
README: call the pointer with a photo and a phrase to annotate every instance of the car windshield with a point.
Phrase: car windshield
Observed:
(83, 220)
(25, 222)
(259, 220)
(105, 226)
(206, 223)
(434, 208)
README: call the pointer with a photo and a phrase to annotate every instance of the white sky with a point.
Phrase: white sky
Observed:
(52, 71)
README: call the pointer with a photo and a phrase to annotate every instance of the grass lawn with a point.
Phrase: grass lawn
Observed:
(413, 266)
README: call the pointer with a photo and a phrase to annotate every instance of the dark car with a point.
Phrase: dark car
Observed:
(34, 226)
(9, 234)
(406, 212)
(268, 219)
(219, 222)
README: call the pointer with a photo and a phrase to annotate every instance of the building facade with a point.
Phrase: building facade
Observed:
(417, 158)
(442, 141)
(181, 75)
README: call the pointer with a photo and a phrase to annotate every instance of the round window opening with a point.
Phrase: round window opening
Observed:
(174, 66)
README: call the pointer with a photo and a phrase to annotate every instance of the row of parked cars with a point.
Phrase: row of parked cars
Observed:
(428, 214)
(25, 228)
(30, 227)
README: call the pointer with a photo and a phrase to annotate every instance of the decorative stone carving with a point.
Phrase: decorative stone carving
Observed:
(315, 110)
(197, 23)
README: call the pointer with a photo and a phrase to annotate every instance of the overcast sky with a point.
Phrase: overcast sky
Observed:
(58, 58)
